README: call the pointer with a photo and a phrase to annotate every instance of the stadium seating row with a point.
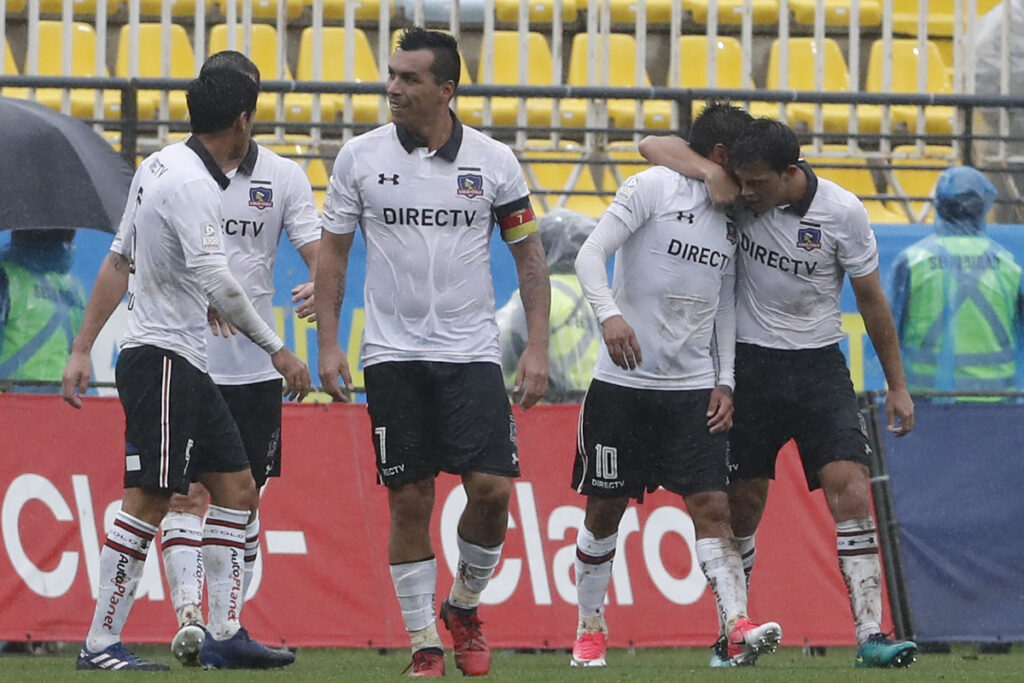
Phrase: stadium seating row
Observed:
(939, 20)
(263, 48)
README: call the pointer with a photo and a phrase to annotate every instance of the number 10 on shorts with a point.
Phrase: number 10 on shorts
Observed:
(606, 462)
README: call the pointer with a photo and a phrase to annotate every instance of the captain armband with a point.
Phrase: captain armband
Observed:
(516, 220)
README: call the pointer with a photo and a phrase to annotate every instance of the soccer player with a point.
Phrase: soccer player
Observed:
(805, 236)
(170, 243)
(268, 196)
(657, 411)
(426, 192)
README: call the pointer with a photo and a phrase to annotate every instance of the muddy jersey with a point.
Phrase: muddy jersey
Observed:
(668, 279)
(268, 195)
(792, 261)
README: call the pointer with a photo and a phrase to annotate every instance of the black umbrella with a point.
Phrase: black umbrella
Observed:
(55, 172)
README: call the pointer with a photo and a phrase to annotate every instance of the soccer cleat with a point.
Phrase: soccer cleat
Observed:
(880, 652)
(472, 653)
(241, 652)
(187, 642)
(426, 662)
(720, 654)
(590, 649)
(748, 641)
(115, 658)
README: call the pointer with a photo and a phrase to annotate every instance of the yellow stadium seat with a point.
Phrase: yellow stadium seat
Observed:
(730, 12)
(262, 9)
(552, 170)
(316, 171)
(506, 72)
(11, 69)
(365, 10)
(626, 11)
(946, 50)
(940, 15)
(694, 70)
(264, 54)
(179, 8)
(914, 174)
(78, 7)
(837, 12)
(365, 108)
(15, 6)
(621, 73)
(905, 54)
(541, 11)
(853, 174)
(802, 58)
(151, 50)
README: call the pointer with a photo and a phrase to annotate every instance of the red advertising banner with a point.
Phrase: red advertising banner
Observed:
(323, 578)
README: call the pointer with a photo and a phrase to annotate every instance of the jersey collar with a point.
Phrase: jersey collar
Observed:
(248, 164)
(800, 207)
(204, 155)
(448, 151)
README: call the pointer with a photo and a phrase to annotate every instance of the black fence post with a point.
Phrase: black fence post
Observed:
(129, 123)
(885, 514)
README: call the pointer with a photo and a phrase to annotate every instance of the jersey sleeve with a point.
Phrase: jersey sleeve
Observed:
(635, 199)
(195, 214)
(512, 209)
(301, 221)
(858, 250)
(343, 205)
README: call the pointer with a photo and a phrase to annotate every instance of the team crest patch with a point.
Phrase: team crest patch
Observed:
(261, 197)
(808, 239)
(470, 185)
(730, 232)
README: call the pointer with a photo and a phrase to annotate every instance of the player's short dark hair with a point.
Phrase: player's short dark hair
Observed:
(719, 123)
(447, 64)
(232, 59)
(766, 140)
(216, 98)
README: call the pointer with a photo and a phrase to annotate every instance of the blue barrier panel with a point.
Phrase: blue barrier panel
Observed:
(958, 493)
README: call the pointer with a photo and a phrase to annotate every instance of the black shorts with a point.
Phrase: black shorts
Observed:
(804, 395)
(256, 409)
(175, 421)
(635, 440)
(428, 417)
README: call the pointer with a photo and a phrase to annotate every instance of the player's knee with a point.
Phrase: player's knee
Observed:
(489, 494)
(710, 513)
(604, 514)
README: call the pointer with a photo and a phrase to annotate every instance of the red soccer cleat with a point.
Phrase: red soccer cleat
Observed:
(472, 653)
(426, 662)
(590, 649)
(749, 640)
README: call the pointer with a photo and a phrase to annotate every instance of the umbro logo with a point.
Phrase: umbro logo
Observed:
(385, 178)
(688, 216)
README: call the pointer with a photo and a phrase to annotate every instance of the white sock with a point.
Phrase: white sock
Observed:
(252, 549)
(593, 572)
(476, 566)
(223, 558)
(181, 538)
(721, 564)
(857, 544)
(415, 583)
(748, 553)
(121, 561)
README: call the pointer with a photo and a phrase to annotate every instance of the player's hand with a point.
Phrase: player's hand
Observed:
(75, 380)
(334, 363)
(720, 409)
(295, 372)
(621, 341)
(722, 189)
(531, 376)
(303, 295)
(899, 409)
(219, 325)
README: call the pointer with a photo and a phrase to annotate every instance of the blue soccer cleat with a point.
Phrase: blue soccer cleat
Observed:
(720, 654)
(115, 658)
(879, 652)
(241, 652)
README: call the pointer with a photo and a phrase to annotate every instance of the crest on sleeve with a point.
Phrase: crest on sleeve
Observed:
(808, 239)
(470, 185)
(626, 189)
(211, 236)
(261, 197)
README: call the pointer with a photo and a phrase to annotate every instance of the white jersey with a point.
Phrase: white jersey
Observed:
(171, 224)
(792, 263)
(427, 219)
(268, 194)
(670, 277)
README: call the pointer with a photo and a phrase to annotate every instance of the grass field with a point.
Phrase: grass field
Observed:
(788, 664)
